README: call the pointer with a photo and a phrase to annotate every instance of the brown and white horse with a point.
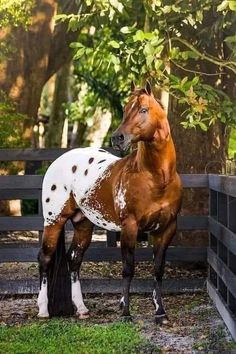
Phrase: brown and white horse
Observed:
(140, 192)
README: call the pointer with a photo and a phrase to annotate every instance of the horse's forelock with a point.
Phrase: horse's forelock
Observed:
(132, 103)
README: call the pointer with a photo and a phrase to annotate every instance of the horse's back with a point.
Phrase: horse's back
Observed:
(75, 172)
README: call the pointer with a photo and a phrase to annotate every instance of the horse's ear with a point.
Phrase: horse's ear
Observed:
(132, 86)
(148, 88)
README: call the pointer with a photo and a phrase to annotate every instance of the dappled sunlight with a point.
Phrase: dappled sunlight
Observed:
(43, 61)
(16, 88)
(99, 127)
(45, 16)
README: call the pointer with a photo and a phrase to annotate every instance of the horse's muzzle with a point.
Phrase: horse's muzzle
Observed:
(120, 141)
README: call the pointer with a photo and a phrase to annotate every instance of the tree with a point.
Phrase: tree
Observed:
(131, 51)
(175, 41)
(36, 48)
(187, 49)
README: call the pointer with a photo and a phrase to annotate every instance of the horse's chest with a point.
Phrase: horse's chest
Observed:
(156, 219)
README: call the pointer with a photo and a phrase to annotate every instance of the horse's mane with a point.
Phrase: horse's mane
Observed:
(140, 91)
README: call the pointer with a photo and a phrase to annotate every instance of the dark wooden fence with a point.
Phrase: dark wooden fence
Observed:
(222, 250)
(29, 187)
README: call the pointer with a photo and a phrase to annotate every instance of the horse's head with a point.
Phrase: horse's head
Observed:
(144, 119)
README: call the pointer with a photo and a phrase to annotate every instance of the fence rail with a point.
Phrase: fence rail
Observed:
(221, 283)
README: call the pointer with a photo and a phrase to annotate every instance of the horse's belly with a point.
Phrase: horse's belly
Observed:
(98, 219)
(94, 209)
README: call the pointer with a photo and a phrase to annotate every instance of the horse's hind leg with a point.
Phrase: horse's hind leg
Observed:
(160, 244)
(82, 237)
(51, 234)
(50, 238)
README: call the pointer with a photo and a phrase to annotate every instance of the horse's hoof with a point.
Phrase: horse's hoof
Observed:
(43, 316)
(126, 318)
(83, 316)
(161, 319)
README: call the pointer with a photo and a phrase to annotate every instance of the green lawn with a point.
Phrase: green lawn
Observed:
(66, 336)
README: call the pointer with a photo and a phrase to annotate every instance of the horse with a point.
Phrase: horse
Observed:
(139, 192)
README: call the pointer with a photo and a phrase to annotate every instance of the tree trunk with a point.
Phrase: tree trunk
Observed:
(199, 151)
(39, 52)
(57, 117)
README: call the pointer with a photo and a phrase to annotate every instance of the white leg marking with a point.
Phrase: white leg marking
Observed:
(77, 298)
(154, 296)
(122, 301)
(43, 300)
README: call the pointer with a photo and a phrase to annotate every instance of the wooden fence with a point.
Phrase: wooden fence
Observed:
(29, 187)
(222, 250)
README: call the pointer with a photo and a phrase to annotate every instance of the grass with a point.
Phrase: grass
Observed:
(66, 336)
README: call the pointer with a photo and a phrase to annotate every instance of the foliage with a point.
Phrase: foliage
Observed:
(64, 336)
(232, 144)
(11, 124)
(82, 108)
(15, 12)
(119, 44)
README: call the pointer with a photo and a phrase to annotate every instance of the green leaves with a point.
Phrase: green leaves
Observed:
(223, 6)
(183, 55)
(80, 50)
(116, 61)
(230, 39)
(141, 36)
(127, 29)
(114, 44)
(11, 124)
(227, 4)
(231, 43)
(117, 5)
(232, 5)
(16, 13)
(119, 49)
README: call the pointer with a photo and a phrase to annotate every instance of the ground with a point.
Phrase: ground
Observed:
(194, 324)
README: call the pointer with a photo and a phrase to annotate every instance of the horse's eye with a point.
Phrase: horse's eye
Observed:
(143, 110)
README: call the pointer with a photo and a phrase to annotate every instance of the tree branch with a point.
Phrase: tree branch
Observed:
(60, 51)
(230, 65)
(195, 71)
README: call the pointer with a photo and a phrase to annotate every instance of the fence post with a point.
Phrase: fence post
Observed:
(112, 238)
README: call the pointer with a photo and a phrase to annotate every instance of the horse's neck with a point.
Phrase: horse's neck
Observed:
(158, 158)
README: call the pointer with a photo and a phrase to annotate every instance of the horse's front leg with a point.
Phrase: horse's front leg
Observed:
(160, 244)
(81, 241)
(128, 240)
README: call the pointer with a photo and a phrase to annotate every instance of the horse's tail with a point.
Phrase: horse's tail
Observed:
(59, 282)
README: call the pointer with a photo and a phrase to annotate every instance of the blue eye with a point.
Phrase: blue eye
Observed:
(143, 110)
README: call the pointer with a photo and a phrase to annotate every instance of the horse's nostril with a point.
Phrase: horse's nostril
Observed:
(121, 137)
